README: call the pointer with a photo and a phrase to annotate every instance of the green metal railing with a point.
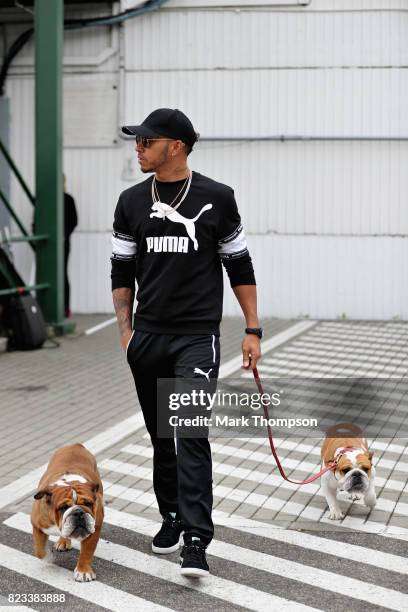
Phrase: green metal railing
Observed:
(48, 244)
(17, 173)
(26, 237)
(32, 240)
(24, 289)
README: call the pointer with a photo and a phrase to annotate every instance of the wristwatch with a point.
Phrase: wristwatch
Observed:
(257, 331)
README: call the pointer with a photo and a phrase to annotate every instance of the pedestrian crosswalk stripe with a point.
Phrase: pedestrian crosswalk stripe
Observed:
(310, 575)
(357, 523)
(353, 333)
(360, 554)
(263, 457)
(60, 578)
(226, 590)
(269, 502)
(300, 348)
(357, 553)
(235, 493)
(401, 466)
(134, 495)
(147, 498)
(390, 447)
(312, 448)
(121, 467)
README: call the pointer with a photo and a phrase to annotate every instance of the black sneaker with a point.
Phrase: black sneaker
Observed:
(193, 561)
(167, 539)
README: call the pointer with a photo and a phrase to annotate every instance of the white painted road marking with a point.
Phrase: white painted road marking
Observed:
(96, 592)
(215, 586)
(360, 554)
(93, 330)
(354, 523)
(261, 477)
(323, 579)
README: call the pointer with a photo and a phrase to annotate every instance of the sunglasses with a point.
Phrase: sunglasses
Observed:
(146, 142)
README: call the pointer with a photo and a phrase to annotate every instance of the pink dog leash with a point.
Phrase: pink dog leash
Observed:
(330, 466)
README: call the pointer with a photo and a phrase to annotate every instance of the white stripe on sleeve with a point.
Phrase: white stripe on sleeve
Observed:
(234, 245)
(123, 247)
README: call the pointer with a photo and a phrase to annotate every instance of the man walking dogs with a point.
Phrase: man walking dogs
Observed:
(171, 233)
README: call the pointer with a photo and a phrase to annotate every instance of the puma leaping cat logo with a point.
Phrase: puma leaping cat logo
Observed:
(206, 374)
(163, 211)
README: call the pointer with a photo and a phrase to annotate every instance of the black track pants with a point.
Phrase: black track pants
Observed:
(182, 481)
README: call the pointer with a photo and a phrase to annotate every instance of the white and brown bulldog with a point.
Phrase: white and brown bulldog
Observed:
(354, 472)
(69, 503)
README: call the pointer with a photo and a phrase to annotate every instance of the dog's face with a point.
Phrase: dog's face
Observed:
(354, 470)
(71, 508)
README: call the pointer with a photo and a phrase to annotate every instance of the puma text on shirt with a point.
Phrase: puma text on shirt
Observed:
(175, 255)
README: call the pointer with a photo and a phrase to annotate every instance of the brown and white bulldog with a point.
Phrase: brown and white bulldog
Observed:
(354, 472)
(69, 503)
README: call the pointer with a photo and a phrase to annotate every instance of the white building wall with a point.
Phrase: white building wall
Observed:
(326, 221)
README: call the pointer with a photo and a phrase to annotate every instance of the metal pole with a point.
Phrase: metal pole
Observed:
(49, 19)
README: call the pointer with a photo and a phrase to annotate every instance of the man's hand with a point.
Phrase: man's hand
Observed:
(251, 351)
(125, 339)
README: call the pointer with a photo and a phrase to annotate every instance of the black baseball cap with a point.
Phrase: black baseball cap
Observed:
(167, 122)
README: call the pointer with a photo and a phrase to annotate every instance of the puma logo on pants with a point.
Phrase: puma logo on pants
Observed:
(206, 374)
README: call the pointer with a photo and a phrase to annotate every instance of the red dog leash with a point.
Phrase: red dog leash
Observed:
(329, 466)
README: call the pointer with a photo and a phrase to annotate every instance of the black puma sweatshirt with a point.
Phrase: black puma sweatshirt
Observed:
(175, 255)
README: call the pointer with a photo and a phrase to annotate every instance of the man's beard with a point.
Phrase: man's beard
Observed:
(159, 163)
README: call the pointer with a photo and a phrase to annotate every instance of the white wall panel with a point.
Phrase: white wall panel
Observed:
(93, 178)
(322, 188)
(259, 103)
(93, 174)
(313, 5)
(209, 4)
(269, 40)
(354, 5)
(322, 277)
(91, 110)
(21, 93)
(89, 271)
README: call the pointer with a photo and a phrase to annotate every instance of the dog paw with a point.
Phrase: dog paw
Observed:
(354, 497)
(63, 544)
(370, 503)
(85, 575)
(336, 515)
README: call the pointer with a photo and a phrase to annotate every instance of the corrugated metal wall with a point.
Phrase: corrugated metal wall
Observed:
(326, 221)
